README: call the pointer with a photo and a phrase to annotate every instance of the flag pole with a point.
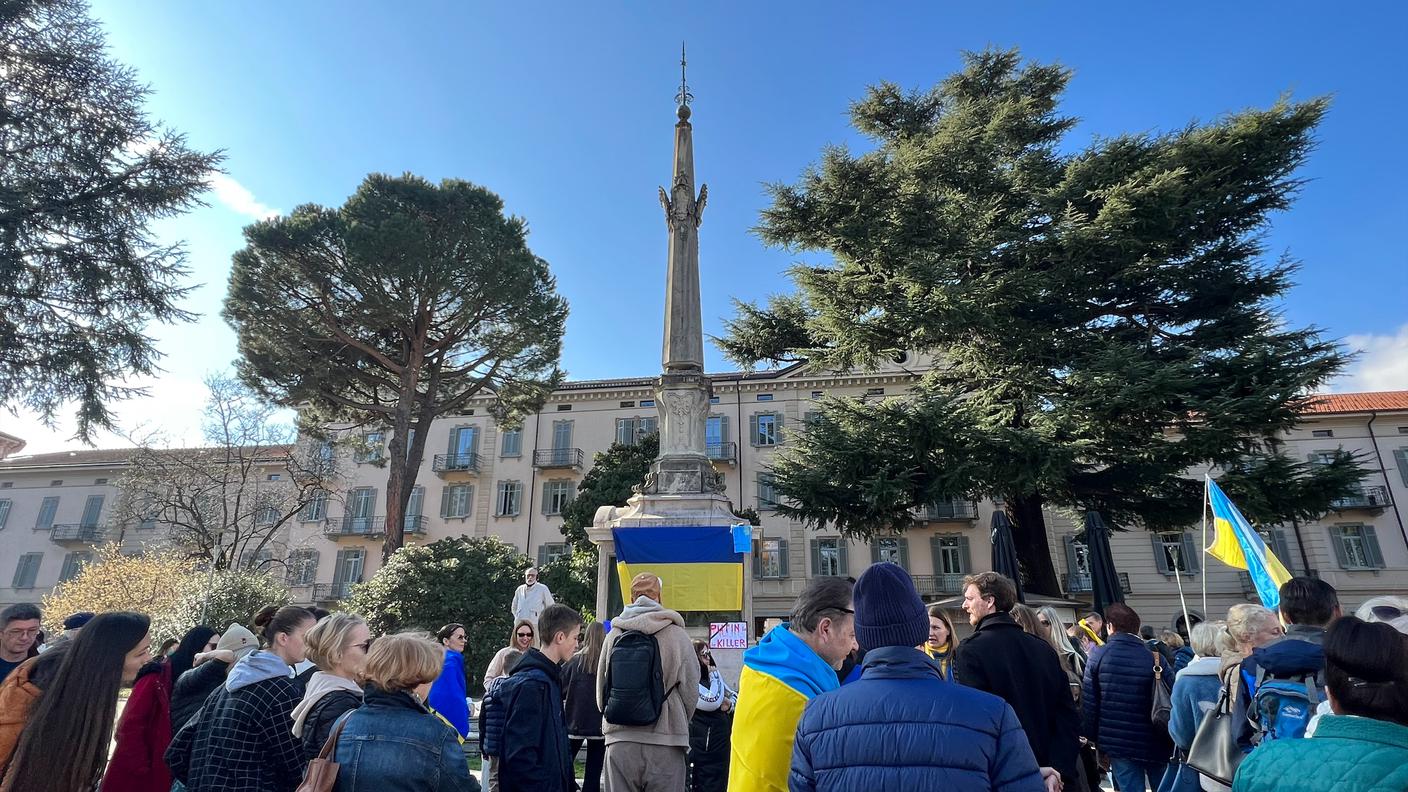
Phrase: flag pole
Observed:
(1178, 578)
(1206, 479)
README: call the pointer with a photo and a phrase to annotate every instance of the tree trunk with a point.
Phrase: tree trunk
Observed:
(397, 493)
(1033, 549)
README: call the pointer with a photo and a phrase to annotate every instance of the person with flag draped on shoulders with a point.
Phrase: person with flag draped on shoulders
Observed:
(793, 664)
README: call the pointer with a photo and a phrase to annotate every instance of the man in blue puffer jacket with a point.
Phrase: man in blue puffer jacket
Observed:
(902, 725)
(1116, 699)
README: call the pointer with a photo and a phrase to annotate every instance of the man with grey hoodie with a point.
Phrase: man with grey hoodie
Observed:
(646, 757)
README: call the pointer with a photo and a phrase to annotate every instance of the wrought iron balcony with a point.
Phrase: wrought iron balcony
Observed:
(938, 584)
(1080, 583)
(545, 458)
(455, 463)
(362, 527)
(77, 533)
(332, 592)
(952, 510)
(723, 452)
(414, 524)
(1372, 497)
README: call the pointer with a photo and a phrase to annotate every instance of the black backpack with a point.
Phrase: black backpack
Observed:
(635, 685)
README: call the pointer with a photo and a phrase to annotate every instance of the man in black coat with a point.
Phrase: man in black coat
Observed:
(1001, 659)
(533, 752)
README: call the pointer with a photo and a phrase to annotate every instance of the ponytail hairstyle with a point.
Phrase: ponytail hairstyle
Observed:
(65, 741)
(260, 620)
(284, 620)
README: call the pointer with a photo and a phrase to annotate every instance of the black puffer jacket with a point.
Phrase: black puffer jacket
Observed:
(192, 689)
(318, 723)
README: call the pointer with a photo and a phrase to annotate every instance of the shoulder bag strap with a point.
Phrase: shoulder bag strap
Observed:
(331, 745)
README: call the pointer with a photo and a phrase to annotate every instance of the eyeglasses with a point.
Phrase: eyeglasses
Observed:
(30, 633)
(525, 635)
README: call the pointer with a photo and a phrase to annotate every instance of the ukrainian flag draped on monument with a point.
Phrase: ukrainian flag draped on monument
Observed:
(1236, 544)
(697, 565)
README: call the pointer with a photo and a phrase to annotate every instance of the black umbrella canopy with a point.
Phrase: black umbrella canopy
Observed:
(1004, 552)
(1104, 582)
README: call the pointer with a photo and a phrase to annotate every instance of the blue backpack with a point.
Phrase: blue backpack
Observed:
(1282, 708)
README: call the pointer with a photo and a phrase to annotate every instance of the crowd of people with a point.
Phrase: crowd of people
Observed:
(864, 687)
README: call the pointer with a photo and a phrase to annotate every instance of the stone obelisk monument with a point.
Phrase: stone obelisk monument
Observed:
(682, 487)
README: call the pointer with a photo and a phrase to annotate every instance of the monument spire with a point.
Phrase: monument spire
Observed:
(683, 391)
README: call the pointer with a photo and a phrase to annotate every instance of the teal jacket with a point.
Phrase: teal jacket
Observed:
(1347, 754)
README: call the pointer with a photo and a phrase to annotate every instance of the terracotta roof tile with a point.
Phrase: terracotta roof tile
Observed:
(1380, 401)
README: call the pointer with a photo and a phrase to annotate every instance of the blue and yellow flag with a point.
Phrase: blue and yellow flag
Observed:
(1236, 544)
(698, 566)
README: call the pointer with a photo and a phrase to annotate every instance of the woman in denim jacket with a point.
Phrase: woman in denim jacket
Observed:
(393, 743)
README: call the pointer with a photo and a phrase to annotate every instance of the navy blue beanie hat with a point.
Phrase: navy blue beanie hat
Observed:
(888, 609)
(77, 620)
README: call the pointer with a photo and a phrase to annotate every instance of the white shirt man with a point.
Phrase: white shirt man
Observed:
(531, 598)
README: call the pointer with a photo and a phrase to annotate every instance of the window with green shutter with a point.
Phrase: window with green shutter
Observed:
(73, 564)
(1175, 551)
(1400, 458)
(1356, 546)
(767, 491)
(770, 558)
(765, 429)
(830, 557)
(455, 501)
(511, 443)
(27, 570)
(47, 509)
(891, 549)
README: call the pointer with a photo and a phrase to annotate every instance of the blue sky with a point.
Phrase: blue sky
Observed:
(565, 110)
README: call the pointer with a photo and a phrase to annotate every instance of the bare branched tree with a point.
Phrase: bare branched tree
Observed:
(230, 502)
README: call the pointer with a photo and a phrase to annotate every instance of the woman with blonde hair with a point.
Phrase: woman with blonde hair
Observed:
(520, 639)
(393, 742)
(1252, 627)
(338, 646)
(583, 715)
(1054, 632)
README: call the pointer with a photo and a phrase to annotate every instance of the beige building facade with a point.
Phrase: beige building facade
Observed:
(479, 479)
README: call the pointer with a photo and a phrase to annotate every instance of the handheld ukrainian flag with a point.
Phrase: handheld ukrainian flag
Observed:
(698, 566)
(1236, 544)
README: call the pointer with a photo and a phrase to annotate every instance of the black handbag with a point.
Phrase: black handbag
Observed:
(1215, 752)
(1162, 708)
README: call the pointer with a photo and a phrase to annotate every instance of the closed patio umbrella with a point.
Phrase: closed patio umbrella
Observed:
(1004, 552)
(1104, 581)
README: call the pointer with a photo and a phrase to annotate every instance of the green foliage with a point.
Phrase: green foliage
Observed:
(83, 174)
(572, 581)
(227, 597)
(423, 587)
(167, 586)
(1101, 321)
(614, 473)
(394, 309)
(1271, 488)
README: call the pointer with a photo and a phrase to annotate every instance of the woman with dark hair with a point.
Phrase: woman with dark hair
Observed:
(1363, 746)
(66, 740)
(144, 732)
(711, 727)
(448, 695)
(242, 738)
(167, 647)
(583, 715)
